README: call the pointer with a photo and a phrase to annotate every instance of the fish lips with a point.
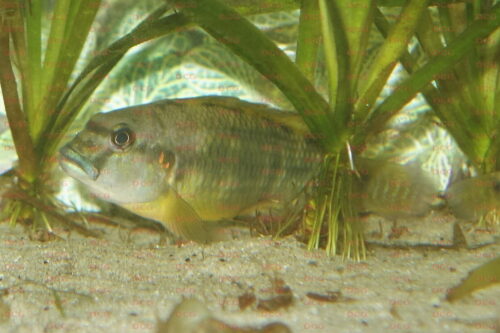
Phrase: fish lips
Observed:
(76, 165)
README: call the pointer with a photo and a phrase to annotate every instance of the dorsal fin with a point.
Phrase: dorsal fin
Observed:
(289, 119)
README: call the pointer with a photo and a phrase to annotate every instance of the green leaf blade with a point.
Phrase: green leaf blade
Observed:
(337, 59)
(34, 55)
(308, 39)
(357, 18)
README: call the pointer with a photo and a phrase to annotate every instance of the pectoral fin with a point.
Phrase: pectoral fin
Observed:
(178, 216)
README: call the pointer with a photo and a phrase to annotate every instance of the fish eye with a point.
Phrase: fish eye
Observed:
(122, 137)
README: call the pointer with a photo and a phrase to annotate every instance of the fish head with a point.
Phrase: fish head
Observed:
(116, 156)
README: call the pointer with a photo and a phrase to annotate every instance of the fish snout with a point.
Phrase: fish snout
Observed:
(76, 165)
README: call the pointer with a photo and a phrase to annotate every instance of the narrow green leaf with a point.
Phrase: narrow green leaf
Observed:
(76, 35)
(388, 56)
(20, 50)
(357, 19)
(337, 62)
(73, 38)
(15, 116)
(489, 67)
(75, 11)
(34, 54)
(332, 62)
(50, 64)
(308, 39)
(491, 160)
(251, 45)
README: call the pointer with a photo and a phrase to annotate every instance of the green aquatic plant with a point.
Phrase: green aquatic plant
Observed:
(50, 99)
(54, 93)
(352, 117)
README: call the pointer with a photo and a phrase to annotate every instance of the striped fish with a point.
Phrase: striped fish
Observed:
(188, 163)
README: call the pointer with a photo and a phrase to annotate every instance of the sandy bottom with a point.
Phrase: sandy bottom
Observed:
(129, 282)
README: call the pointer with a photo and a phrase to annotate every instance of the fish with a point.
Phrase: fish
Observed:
(395, 191)
(473, 198)
(191, 163)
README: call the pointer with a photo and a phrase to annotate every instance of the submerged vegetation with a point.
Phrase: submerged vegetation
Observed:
(455, 67)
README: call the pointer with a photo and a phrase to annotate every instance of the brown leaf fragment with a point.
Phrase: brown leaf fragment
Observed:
(245, 300)
(283, 297)
(330, 296)
(275, 303)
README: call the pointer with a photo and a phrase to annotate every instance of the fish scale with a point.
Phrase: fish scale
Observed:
(248, 142)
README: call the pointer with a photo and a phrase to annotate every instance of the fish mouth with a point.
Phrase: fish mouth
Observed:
(76, 165)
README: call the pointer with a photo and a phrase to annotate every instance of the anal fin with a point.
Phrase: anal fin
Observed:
(179, 217)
